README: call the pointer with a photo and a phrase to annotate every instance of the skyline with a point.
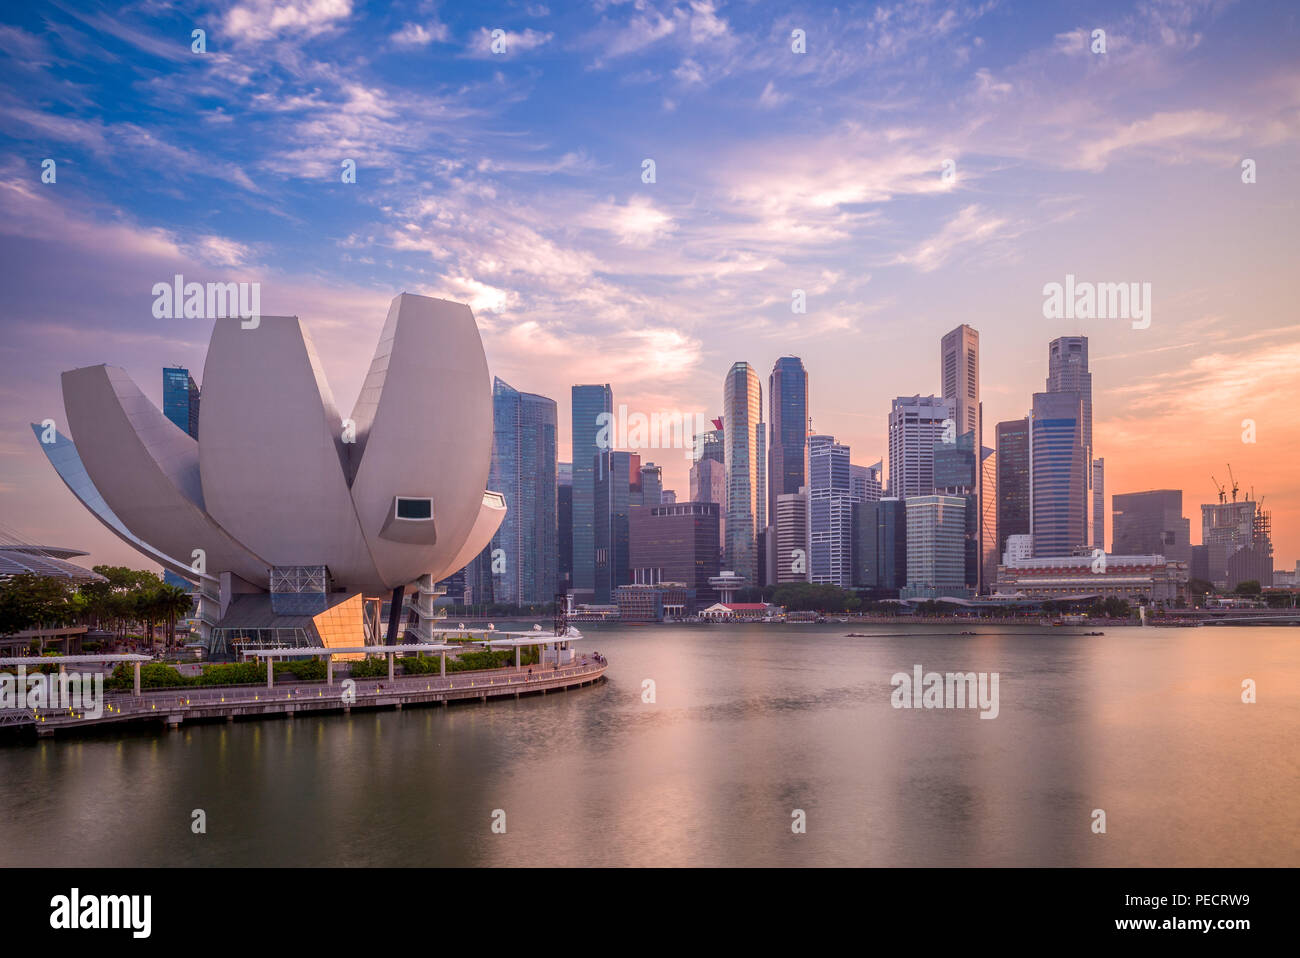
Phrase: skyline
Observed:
(477, 180)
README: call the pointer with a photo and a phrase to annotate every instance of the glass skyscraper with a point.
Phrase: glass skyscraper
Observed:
(524, 470)
(181, 399)
(1058, 474)
(742, 404)
(787, 416)
(588, 402)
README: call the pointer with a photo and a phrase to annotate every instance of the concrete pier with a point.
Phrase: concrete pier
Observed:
(229, 703)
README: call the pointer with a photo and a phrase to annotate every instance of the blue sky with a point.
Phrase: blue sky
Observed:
(512, 181)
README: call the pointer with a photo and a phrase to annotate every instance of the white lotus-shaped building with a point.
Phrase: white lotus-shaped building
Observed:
(294, 522)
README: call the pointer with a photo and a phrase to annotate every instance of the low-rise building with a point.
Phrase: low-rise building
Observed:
(1148, 579)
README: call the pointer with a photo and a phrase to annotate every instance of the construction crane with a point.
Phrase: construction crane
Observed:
(1235, 487)
(1223, 496)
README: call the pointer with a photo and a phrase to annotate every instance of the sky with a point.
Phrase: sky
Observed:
(917, 166)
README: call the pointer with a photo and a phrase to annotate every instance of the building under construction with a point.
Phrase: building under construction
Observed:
(1236, 541)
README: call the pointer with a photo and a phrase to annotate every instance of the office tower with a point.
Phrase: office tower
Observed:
(790, 552)
(760, 473)
(830, 512)
(652, 484)
(524, 470)
(612, 484)
(1012, 480)
(1099, 504)
(564, 522)
(959, 363)
(668, 497)
(959, 372)
(956, 473)
(787, 415)
(676, 542)
(588, 404)
(709, 484)
(1067, 371)
(194, 409)
(742, 406)
(936, 547)
(1058, 474)
(1151, 523)
(988, 531)
(1237, 538)
(864, 482)
(181, 399)
(711, 443)
(880, 544)
(916, 423)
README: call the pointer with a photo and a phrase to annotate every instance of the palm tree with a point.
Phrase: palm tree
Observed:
(171, 603)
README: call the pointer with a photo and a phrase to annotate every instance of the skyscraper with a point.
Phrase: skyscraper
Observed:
(1058, 474)
(936, 547)
(612, 485)
(959, 358)
(1067, 371)
(865, 482)
(790, 526)
(830, 512)
(588, 403)
(652, 484)
(742, 410)
(524, 471)
(564, 521)
(676, 542)
(787, 416)
(1012, 481)
(1151, 523)
(916, 423)
(880, 544)
(181, 399)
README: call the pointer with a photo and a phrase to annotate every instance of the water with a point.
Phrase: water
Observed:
(750, 722)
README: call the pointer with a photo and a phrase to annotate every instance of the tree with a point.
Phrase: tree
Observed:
(171, 602)
(29, 601)
(1249, 587)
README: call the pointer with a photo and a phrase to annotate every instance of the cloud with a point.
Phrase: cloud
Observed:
(256, 20)
(420, 35)
(480, 46)
(972, 225)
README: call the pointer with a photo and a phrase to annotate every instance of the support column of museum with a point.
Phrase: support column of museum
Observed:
(394, 614)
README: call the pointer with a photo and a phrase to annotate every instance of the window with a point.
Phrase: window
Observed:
(408, 508)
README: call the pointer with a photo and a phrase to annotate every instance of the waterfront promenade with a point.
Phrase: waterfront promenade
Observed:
(173, 707)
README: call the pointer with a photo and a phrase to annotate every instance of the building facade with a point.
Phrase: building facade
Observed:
(742, 402)
(1151, 523)
(1058, 475)
(1146, 579)
(677, 542)
(936, 547)
(787, 416)
(916, 423)
(524, 470)
(589, 403)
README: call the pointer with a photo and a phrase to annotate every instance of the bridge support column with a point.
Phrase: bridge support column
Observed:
(329, 670)
(516, 657)
(137, 678)
(392, 676)
(444, 665)
(270, 673)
